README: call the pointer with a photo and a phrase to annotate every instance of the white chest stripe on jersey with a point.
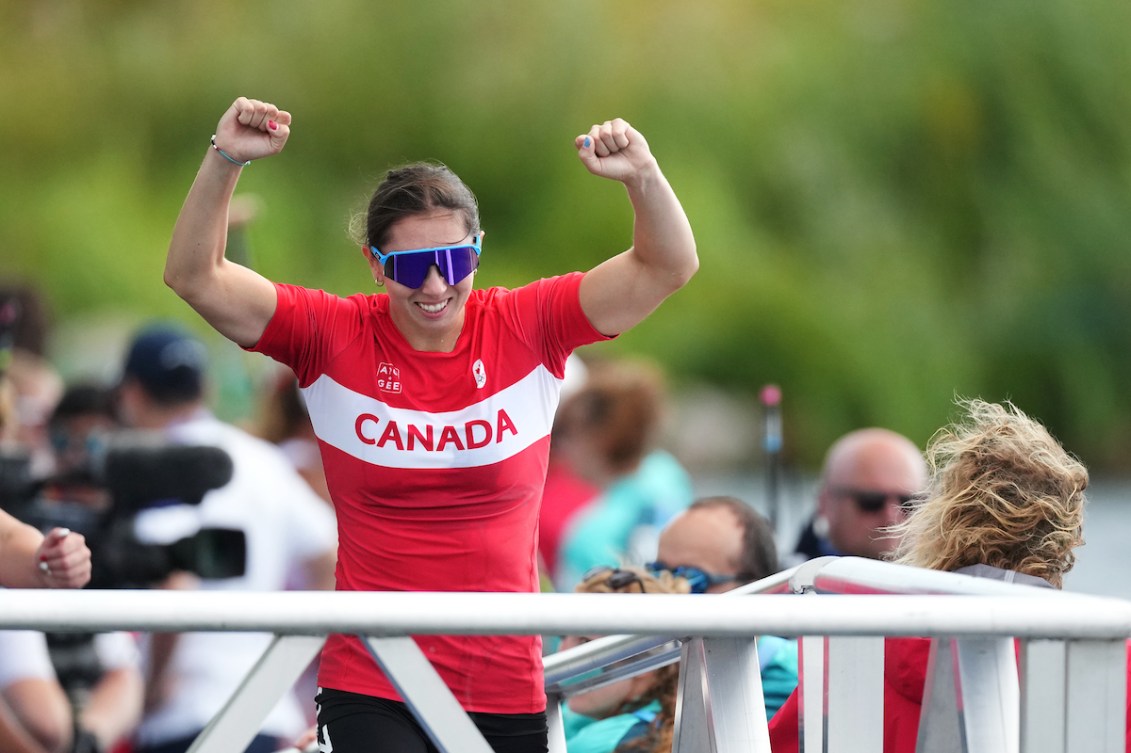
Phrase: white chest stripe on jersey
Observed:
(484, 433)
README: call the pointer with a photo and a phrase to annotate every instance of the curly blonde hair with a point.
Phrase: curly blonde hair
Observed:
(1002, 492)
(631, 579)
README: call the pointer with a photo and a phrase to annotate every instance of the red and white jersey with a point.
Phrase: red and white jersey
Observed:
(436, 463)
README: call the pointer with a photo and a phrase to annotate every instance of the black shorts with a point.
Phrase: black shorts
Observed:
(356, 723)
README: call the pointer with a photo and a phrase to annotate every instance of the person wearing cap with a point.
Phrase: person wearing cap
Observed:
(868, 480)
(432, 400)
(288, 530)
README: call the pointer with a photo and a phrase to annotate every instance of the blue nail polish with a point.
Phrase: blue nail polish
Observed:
(586, 142)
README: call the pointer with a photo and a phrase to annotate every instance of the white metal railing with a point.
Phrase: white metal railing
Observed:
(1072, 696)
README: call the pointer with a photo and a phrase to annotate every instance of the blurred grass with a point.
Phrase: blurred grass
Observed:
(896, 201)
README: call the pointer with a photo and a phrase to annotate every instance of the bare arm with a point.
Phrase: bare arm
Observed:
(235, 300)
(28, 559)
(619, 293)
(159, 681)
(114, 707)
(40, 708)
(13, 737)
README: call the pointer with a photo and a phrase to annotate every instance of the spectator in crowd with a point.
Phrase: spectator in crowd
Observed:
(287, 527)
(283, 420)
(719, 544)
(565, 491)
(1004, 501)
(80, 428)
(609, 434)
(34, 714)
(432, 400)
(869, 478)
(34, 383)
(101, 673)
(28, 558)
(634, 714)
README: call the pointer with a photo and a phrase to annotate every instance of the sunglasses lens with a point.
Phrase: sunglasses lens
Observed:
(457, 263)
(411, 269)
(871, 501)
(697, 580)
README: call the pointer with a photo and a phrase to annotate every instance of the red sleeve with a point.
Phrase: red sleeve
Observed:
(547, 315)
(310, 327)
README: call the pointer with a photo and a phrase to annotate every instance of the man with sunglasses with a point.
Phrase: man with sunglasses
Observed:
(432, 400)
(718, 544)
(869, 480)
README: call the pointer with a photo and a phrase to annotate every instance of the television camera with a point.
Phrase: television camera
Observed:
(102, 500)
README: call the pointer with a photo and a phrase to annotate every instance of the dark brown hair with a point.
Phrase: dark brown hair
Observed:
(414, 189)
(281, 413)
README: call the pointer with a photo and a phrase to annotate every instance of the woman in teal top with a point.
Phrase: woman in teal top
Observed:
(634, 714)
(586, 735)
(607, 432)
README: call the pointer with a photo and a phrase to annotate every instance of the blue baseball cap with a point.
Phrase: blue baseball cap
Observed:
(167, 362)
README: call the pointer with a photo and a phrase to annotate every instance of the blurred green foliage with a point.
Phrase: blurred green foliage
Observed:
(896, 201)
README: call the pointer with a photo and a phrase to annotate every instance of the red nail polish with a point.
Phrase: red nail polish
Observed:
(272, 125)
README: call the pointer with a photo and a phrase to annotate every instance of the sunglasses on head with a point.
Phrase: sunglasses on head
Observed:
(869, 500)
(698, 580)
(410, 268)
(617, 579)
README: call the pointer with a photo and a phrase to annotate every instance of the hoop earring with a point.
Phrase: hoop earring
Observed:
(379, 283)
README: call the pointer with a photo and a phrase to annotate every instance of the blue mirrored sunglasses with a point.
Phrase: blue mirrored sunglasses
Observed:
(698, 580)
(410, 268)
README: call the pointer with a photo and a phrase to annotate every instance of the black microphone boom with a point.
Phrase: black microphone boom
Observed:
(139, 475)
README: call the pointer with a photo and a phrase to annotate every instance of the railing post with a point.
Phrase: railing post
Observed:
(1044, 700)
(1073, 696)
(1096, 711)
(811, 689)
(971, 700)
(556, 738)
(855, 685)
(720, 707)
(841, 690)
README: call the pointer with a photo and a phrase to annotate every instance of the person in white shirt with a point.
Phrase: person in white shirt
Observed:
(288, 530)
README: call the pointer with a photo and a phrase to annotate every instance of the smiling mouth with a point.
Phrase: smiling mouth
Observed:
(433, 308)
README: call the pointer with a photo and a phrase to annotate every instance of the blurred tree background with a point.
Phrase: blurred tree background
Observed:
(896, 201)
